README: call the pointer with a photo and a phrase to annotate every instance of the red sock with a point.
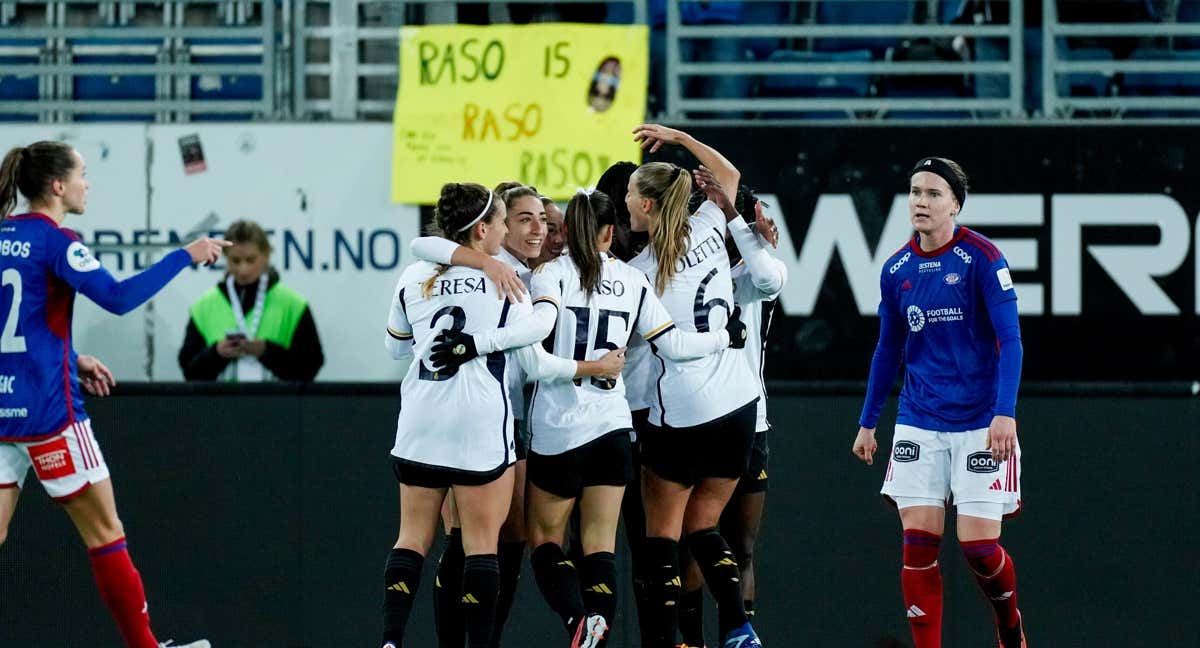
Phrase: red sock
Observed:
(997, 577)
(120, 586)
(921, 580)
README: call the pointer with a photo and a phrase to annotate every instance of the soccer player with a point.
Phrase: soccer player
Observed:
(758, 279)
(440, 441)
(42, 420)
(702, 412)
(526, 225)
(948, 309)
(556, 234)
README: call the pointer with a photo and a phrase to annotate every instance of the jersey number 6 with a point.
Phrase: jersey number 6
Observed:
(701, 309)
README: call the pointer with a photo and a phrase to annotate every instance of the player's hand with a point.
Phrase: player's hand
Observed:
(206, 251)
(95, 378)
(737, 332)
(865, 445)
(229, 349)
(452, 349)
(508, 284)
(254, 348)
(1002, 437)
(610, 365)
(766, 226)
(655, 135)
(707, 182)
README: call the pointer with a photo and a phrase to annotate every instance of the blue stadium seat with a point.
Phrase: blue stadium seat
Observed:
(98, 53)
(1162, 84)
(1084, 84)
(848, 86)
(226, 87)
(949, 11)
(1188, 12)
(862, 12)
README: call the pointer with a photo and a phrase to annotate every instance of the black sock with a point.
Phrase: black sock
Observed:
(721, 575)
(481, 585)
(559, 583)
(633, 518)
(600, 584)
(447, 593)
(661, 560)
(511, 556)
(401, 578)
(749, 605)
(691, 616)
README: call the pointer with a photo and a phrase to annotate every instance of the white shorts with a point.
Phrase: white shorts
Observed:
(66, 465)
(935, 466)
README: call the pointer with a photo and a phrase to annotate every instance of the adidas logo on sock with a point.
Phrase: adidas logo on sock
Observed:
(399, 587)
(914, 611)
(469, 598)
(996, 486)
(600, 588)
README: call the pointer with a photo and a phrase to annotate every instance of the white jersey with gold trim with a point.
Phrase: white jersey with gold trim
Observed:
(567, 415)
(699, 298)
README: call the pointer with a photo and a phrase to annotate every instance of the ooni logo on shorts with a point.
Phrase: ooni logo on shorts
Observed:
(982, 462)
(916, 318)
(906, 451)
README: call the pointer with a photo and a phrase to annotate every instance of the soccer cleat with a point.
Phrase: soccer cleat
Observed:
(589, 632)
(200, 643)
(1012, 637)
(743, 637)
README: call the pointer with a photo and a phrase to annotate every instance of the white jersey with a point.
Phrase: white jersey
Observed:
(755, 309)
(516, 384)
(460, 418)
(700, 298)
(566, 415)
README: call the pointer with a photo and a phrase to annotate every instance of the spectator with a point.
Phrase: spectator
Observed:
(250, 327)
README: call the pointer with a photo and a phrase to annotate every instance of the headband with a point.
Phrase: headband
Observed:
(675, 173)
(937, 167)
(486, 208)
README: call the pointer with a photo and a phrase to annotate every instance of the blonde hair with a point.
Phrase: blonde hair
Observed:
(669, 186)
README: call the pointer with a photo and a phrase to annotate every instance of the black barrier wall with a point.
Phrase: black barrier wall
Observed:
(263, 520)
(1099, 225)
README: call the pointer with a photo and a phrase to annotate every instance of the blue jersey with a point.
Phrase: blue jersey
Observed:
(950, 310)
(41, 268)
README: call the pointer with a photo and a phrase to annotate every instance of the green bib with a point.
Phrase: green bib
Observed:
(282, 311)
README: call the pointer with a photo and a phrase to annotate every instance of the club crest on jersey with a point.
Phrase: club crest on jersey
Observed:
(80, 258)
(916, 318)
(906, 452)
(952, 278)
(982, 462)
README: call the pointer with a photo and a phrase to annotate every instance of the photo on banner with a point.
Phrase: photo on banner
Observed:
(551, 105)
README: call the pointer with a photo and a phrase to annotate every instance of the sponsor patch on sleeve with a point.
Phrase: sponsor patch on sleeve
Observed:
(80, 258)
(1005, 279)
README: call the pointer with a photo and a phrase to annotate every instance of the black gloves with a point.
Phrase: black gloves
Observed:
(452, 349)
(737, 332)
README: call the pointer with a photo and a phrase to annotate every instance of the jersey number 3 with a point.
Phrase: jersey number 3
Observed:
(458, 321)
(10, 342)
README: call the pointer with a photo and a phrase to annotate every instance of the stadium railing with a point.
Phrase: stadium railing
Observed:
(101, 61)
(1146, 70)
(846, 68)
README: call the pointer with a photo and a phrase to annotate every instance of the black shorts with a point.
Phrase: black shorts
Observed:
(754, 480)
(718, 448)
(411, 473)
(641, 424)
(521, 438)
(607, 461)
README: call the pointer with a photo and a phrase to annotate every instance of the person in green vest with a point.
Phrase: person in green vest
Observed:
(250, 327)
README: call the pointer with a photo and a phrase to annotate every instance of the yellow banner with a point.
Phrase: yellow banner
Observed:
(551, 105)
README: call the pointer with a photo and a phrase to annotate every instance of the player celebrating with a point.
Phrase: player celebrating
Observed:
(948, 307)
(42, 420)
(703, 412)
(470, 448)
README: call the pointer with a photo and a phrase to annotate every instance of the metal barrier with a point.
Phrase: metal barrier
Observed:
(834, 70)
(182, 61)
(1149, 70)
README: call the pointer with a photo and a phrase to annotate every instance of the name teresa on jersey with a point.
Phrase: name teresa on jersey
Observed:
(459, 286)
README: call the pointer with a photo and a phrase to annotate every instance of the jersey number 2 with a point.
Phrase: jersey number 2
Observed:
(458, 322)
(10, 342)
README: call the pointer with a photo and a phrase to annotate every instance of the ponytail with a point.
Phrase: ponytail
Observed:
(669, 186)
(10, 171)
(586, 214)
